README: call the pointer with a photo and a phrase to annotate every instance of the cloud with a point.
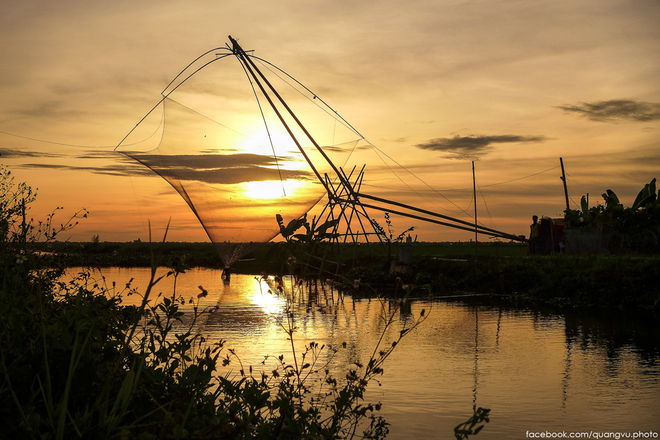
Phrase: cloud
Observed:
(114, 170)
(206, 168)
(616, 110)
(126, 166)
(471, 147)
(220, 168)
(7, 153)
(338, 149)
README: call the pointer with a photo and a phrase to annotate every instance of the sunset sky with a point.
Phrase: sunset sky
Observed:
(434, 85)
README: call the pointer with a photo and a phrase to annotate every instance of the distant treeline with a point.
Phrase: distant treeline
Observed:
(200, 254)
(134, 254)
(445, 268)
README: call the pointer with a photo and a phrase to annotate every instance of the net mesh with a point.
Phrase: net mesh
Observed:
(235, 164)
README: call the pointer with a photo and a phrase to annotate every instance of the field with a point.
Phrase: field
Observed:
(504, 269)
(137, 254)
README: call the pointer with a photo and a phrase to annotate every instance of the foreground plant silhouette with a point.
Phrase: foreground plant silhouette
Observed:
(76, 363)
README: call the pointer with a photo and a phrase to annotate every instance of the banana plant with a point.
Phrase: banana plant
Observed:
(647, 197)
(612, 202)
(613, 210)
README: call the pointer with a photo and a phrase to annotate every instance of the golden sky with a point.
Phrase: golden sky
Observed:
(512, 85)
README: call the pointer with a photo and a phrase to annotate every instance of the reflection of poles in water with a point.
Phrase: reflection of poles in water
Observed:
(567, 373)
(571, 334)
(476, 359)
(308, 293)
(476, 225)
(226, 275)
(206, 312)
(499, 322)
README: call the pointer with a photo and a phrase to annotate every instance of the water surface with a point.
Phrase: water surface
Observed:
(536, 370)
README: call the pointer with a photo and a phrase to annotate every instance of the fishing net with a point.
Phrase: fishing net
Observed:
(228, 154)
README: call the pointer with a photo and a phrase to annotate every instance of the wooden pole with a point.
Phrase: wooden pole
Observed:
(563, 178)
(468, 225)
(476, 226)
(249, 66)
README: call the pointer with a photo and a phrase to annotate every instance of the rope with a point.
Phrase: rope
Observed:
(468, 188)
(75, 145)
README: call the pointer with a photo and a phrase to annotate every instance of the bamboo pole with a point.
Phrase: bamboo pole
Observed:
(563, 178)
(468, 226)
(249, 65)
(476, 226)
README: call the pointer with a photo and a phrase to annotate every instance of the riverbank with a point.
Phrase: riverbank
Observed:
(590, 281)
(619, 282)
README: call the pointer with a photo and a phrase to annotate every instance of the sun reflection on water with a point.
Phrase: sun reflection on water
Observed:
(265, 298)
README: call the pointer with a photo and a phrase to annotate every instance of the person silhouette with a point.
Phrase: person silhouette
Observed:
(534, 236)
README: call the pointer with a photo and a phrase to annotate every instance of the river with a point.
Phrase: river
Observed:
(538, 370)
